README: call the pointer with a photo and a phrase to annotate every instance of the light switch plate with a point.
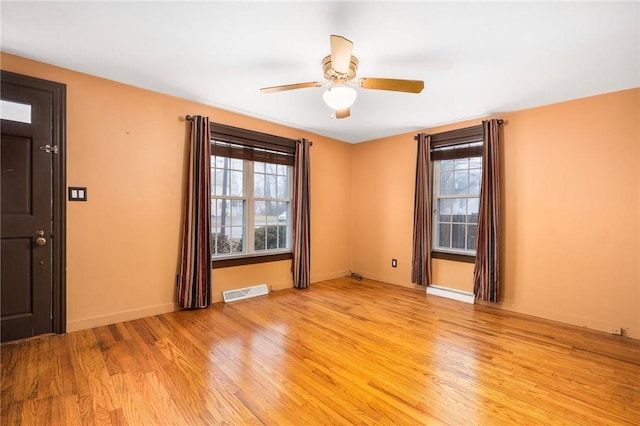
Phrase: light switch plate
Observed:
(77, 193)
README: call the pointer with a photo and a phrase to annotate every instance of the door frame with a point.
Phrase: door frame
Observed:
(59, 183)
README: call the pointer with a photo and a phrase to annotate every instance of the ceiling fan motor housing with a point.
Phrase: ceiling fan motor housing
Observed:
(335, 76)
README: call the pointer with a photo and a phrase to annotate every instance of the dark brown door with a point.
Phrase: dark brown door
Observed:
(28, 237)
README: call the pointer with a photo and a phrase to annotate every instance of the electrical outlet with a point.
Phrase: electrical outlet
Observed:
(394, 263)
(616, 331)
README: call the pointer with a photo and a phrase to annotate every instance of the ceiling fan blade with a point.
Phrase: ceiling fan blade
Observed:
(341, 49)
(411, 86)
(273, 89)
(343, 113)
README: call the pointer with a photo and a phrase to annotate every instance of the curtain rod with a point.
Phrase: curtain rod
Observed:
(500, 121)
(191, 117)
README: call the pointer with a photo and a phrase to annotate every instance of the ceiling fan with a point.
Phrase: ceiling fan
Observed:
(340, 70)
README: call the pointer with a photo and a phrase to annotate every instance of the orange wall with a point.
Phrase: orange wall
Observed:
(572, 212)
(127, 145)
(570, 204)
(570, 208)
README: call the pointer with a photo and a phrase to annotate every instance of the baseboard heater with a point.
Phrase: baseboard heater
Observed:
(451, 293)
(245, 293)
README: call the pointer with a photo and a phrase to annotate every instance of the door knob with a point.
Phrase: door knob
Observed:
(41, 240)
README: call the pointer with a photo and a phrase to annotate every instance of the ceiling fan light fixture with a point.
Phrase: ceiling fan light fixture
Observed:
(339, 97)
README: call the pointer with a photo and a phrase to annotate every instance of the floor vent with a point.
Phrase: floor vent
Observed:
(245, 293)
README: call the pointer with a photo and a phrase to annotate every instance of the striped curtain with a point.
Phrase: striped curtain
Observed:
(194, 281)
(486, 277)
(301, 217)
(421, 261)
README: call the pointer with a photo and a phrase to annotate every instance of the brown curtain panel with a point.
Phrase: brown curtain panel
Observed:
(194, 283)
(421, 259)
(486, 276)
(301, 217)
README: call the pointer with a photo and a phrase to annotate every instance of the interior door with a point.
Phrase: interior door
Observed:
(30, 271)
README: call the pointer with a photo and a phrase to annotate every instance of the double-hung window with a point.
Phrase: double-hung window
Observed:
(251, 185)
(457, 175)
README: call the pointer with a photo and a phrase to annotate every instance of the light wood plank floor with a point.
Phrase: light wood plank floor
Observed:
(343, 352)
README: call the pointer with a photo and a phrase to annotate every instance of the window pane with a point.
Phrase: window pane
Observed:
(270, 186)
(472, 233)
(258, 167)
(228, 222)
(446, 165)
(266, 237)
(475, 177)
(237, 212)
(462, 182)
(225, 213)
(282, 169)
(458, 236)
(258, 185)
(15, 111)
(444, 236)
(272, 237)
(473, 204)
(235, 184)
(227, 176)
(446, 182)
(459, 207)
(260, 213)
(236, 239)
(461, 164)
(260, 243)
(236, 164)
(217, 182)
(475, 162)
(214, 212)
(222, 242)
(444, 210)
(282, 187)
(283, 212)
(272, 211)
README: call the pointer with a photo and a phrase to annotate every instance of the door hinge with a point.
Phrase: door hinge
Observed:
(49, 148)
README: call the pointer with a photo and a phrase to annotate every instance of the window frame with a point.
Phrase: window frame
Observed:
(468, 135)
(251, 147)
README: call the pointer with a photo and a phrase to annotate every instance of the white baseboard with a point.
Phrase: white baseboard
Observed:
(85, 323)
(451, 293)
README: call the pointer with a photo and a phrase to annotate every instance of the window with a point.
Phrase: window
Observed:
(456, 198)
(248, 195)
(457, 175)
(251, 185)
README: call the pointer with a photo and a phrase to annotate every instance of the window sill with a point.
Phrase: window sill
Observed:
(467, 258)
(249, 260)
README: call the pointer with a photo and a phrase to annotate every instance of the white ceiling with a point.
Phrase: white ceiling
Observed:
(476, 58)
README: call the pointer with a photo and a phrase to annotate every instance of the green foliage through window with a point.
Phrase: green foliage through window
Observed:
(276, 237)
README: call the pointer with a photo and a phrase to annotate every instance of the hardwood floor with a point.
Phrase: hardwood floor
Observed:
(343, 352)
